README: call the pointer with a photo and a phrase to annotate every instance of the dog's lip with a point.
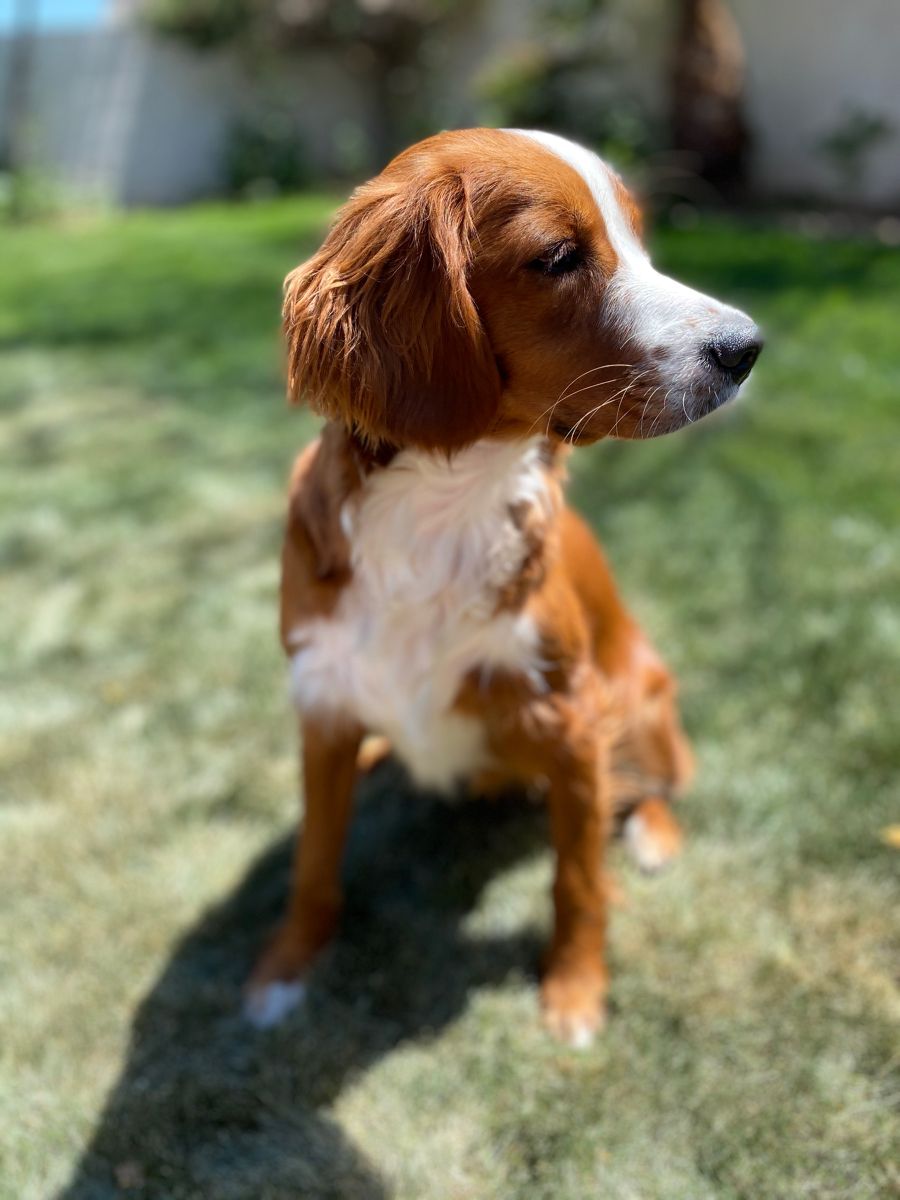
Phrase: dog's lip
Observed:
(714, 401)
(563, 431)
(699, 407)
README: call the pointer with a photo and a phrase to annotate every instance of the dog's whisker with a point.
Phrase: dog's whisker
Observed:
(591, 371)
(660, 414)
(571, 435)
(586, 417)
(572, 432)
(647, 400)
(687, 416)
(588, 386)
(619, 412)
(622, 395)
(563, 396)
(565, 393)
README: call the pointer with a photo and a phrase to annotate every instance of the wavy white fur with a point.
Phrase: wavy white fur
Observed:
(432, 541)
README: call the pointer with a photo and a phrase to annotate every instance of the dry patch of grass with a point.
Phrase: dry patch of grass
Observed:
(148, 773)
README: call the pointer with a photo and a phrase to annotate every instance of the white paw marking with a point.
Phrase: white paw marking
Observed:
(581, 1036)
(648, 851)
(575, 1031)
(269, 1003)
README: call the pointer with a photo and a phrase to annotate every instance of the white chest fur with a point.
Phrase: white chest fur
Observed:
(431, 542)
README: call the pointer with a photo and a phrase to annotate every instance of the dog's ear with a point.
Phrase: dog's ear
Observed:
(382, 331)
(324, 476)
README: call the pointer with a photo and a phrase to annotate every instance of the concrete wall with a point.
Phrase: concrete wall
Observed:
(114, 117)
(809, 64)
(132, 120)
(119, 117)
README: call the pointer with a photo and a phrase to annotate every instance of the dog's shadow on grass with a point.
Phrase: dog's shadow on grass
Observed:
(207, 1107)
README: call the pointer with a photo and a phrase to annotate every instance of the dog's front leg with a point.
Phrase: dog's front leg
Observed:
(329, 774)
(575, 980)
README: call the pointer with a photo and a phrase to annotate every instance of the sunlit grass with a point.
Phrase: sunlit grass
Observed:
(148, 762)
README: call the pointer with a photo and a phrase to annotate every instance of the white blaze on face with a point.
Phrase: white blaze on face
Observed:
(667, 323)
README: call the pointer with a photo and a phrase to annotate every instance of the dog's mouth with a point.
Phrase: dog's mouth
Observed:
(659, 411)
(680, 407)
(666, 391)
(573, 434)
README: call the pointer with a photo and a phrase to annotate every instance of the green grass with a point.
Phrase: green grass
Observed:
(148, 772)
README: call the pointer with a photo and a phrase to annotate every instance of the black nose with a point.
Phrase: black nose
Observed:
(735, 352)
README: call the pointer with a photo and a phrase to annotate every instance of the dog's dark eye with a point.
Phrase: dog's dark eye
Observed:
(561, 260)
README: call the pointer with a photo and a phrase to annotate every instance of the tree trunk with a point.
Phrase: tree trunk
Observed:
(707, 93)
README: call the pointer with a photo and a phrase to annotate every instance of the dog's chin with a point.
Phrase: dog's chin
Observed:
(645, 420)
(701, 402)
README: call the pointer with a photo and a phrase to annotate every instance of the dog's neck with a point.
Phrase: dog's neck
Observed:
(426, 521)
(468, 533)
(369, 456)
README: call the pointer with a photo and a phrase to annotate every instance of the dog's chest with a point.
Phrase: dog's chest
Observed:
(433, 544)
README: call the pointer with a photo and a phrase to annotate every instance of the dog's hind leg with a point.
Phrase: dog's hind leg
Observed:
(657, 751)
(652, 834)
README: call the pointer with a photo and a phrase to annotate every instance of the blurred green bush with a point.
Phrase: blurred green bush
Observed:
(564, 78)
(265, 156)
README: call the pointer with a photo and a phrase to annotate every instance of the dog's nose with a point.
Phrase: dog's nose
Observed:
(735, 352)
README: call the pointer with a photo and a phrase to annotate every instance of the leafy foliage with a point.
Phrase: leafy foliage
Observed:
(564, 78)
(266, 156)
(391, 43)
(276, 22)
(850, 144)
(202, 23)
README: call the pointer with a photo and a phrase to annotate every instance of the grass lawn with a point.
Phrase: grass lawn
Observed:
(148, 772)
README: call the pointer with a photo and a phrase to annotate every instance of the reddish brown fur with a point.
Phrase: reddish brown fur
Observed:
(599, 742)
(415, 326)
(630, 207)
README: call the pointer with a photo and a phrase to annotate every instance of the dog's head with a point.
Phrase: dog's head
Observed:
(493, 283)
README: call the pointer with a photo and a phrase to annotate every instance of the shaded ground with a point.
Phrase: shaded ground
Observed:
(148, 773)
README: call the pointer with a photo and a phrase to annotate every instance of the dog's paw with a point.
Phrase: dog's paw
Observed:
(652, 835)
(267, 1004)
(277, 984)
(374, 750)
(574, 1009)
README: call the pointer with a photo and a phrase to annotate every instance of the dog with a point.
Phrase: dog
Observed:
(476, 310)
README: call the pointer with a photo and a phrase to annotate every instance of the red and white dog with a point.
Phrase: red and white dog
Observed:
(476, 309)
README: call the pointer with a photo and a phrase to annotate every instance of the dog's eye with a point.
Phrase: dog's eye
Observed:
(561, 260)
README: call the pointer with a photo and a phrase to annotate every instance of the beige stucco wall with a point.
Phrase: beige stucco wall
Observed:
(116, 118)
(810, 63)
(119, 117)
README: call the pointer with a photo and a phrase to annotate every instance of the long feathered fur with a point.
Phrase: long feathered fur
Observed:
(382, 331)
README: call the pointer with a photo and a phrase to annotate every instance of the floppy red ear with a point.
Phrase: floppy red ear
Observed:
(382, 331)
